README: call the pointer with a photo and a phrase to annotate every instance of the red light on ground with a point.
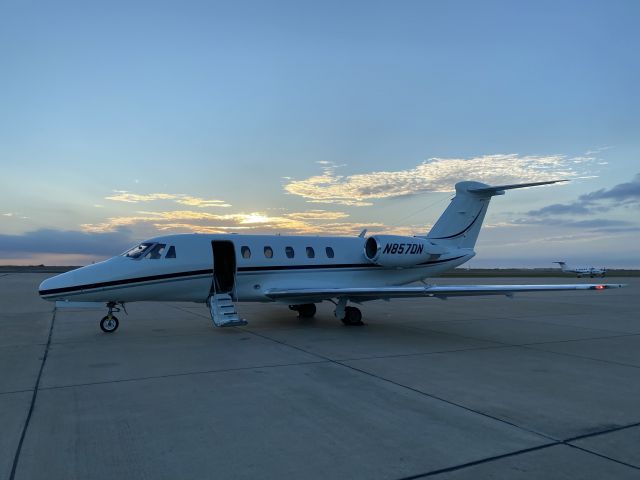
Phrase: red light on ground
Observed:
(600, 287)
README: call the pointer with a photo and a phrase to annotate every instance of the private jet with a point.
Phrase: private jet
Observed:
(299, 271)
(583, 271)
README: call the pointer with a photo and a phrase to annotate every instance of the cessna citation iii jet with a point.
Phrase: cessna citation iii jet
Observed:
(583, 271)
(300, 271)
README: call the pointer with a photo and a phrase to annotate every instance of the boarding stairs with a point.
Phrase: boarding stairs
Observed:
(223, 311)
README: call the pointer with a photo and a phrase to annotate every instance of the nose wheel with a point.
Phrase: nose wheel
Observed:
(110, 323)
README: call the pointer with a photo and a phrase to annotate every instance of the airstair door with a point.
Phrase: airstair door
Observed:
(224, 267)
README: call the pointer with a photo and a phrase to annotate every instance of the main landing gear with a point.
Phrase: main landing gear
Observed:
(305, 310)
(110, 323)
(350, 316)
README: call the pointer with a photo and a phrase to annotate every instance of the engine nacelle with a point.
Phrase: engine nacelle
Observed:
(399, 251)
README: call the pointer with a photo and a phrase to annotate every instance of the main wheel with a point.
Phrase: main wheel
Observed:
(305, 310)
(352, 316)
(109, 324)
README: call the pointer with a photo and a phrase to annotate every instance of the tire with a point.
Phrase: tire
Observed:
(307, 310)
(109, 324)
(352, 316)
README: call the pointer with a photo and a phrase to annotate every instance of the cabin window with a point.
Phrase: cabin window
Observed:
(245, 252)
(310, 252)
(268, 252)
(138, 250)
(289, 251)
(171, 253)
(156, 252)
(329, 251)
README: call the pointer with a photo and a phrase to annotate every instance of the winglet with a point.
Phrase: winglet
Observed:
(499, 189)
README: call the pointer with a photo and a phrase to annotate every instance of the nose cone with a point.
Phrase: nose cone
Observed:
(53, 288)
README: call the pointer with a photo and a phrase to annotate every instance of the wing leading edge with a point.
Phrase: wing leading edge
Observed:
(374, 293)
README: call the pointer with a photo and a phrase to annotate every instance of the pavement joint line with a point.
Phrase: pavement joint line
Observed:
(615, 335)
(449, 402)
(582, 449)
(519, 452)
(197, 314)
(183, 374)
(528, 320)
(524, 319)
(132, 339)
(17, 391)
(16, 457)
(415, 390)
(579, 339)
(500, 344)
(584, 357)
(14, 345)
(603, 432)
(479, 462)
(417, 354)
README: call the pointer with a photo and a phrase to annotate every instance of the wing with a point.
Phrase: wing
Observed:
(361, 294)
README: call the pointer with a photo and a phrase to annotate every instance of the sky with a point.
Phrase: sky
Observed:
(120, 121)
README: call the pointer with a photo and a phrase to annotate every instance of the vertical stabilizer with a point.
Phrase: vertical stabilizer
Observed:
(563, 266)
(459, 225)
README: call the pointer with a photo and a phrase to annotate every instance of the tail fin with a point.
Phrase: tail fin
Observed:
(563, 265)
(460, 223)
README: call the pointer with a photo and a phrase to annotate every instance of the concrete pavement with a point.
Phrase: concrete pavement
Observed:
(545, 385)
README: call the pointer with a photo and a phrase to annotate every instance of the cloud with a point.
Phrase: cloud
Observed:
(602, 200)
(575, 208)
(432, 175)
(312, 222)
(586, 224)
(181, 198)
(67, 242)
(628, 192)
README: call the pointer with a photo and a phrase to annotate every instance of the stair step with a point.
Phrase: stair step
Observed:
(223, 311)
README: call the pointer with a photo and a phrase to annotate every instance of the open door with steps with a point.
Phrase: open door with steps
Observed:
(220, 301)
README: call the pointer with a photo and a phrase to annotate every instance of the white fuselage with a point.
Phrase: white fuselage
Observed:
(296, 262)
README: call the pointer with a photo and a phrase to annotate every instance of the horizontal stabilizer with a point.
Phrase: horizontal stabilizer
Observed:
(501, 188)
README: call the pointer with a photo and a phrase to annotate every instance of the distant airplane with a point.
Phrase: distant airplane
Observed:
(301, 271)
(583, 271)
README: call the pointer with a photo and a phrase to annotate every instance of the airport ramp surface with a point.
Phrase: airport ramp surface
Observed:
(541, 386)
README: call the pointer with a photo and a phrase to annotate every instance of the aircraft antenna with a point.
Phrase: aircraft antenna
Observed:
(420, 210)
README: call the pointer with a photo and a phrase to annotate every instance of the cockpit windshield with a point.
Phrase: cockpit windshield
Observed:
(138, 250)
(156, 252)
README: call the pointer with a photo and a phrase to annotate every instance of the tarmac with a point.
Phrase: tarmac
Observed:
(545, 385)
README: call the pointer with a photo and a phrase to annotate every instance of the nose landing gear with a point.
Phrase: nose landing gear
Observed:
(110, 323)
